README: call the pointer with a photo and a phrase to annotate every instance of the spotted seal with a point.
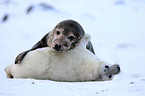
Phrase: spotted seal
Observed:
(65, 36)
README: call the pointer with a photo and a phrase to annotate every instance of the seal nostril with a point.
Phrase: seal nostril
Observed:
(118, 67)
(57, 47)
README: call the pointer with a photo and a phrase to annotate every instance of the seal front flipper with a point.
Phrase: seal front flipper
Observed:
(64, 37)
(40, 44)
(20, 57)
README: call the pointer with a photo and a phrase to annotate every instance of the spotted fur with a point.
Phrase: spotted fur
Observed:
(69, 26)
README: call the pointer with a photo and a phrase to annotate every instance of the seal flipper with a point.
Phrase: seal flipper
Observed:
(43, 43)
(40, 44)
(20, 57)
(90, 47)
(87, 43)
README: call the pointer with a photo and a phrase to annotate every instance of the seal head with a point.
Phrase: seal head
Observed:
(65, 36)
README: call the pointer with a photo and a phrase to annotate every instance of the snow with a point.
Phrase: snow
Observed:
(117, 28)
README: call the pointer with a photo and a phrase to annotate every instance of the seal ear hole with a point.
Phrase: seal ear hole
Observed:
(78, 35)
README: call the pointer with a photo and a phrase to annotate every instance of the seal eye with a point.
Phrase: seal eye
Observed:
(71, 38)
(57, 32)
(106, 66)
(110, 76)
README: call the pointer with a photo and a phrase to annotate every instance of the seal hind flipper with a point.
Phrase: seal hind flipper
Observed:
(90, 47)
(40, 44)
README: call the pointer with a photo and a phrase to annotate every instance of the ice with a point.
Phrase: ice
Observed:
(117, 29)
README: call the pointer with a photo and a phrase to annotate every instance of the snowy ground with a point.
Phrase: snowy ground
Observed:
(117, 28)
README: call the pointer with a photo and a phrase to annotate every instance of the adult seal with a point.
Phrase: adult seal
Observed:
(65, 36)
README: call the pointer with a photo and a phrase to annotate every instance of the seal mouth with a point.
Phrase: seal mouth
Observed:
(57, 47)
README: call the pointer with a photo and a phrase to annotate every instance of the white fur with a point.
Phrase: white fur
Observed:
(78, 64)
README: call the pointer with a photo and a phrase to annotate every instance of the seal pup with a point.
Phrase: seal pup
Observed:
(78, 64)
(65, 36)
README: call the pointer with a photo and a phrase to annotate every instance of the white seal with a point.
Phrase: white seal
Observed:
(78, 64)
